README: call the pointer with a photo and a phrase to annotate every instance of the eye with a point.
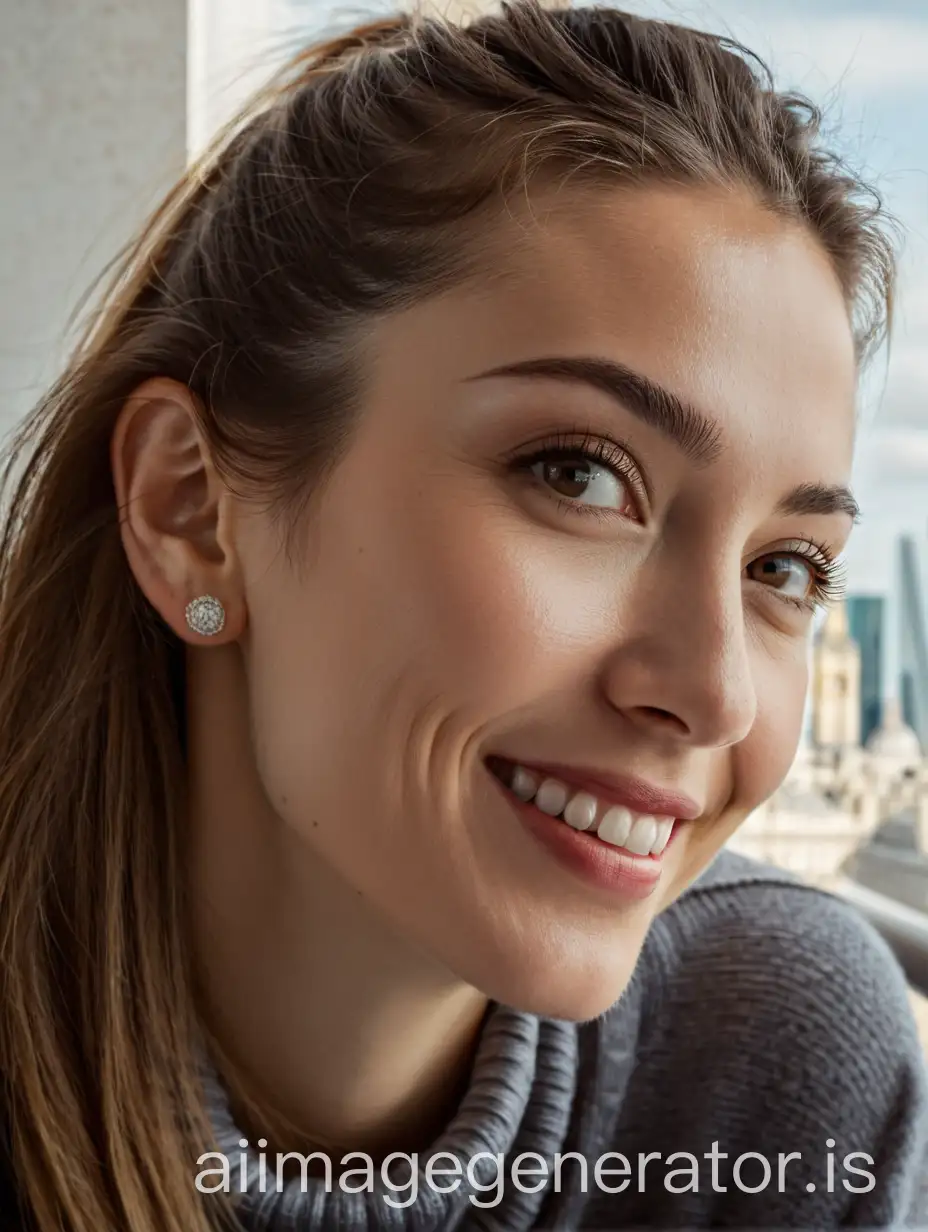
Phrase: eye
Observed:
(593, 476)
(584, 481)
(792, 576)
(804, 573)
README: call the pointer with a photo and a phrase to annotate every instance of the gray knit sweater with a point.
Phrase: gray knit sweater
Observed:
(764, 1019)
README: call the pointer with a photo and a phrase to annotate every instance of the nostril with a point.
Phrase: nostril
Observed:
(666, 718)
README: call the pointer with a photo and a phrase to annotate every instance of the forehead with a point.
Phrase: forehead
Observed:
(731, 307)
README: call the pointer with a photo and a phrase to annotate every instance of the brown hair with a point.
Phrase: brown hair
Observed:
(354, 186)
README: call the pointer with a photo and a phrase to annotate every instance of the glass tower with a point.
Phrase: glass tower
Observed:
(866, 616)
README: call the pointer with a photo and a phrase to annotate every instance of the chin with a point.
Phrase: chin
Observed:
(553, 986)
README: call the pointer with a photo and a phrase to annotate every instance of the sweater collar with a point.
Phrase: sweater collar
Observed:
(519, 1099)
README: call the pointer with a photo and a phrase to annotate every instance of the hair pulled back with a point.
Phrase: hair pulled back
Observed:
(359, 182)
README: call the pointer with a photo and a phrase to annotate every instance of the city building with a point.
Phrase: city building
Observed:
(836, 684)
(913, 646)
(866, 615)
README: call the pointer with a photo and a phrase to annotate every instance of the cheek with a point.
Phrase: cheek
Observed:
(392, 640)
(744, 777)
(408, 633)
(762, 761)
(516, 610)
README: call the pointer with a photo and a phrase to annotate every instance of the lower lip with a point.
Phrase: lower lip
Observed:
(598, 864)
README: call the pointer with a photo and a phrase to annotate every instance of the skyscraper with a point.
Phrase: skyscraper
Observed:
(866, 616)
(913, 646)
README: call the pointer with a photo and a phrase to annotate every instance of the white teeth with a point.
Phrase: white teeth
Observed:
(644, 833)
(615, 826)
(636, 833)
(664, 828)
(581, 811)
(523, 784)
(551, 797)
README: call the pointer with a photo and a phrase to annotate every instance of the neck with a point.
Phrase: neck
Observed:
(332, 1032)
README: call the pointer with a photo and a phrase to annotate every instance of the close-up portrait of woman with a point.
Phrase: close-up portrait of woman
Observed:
(406, 591)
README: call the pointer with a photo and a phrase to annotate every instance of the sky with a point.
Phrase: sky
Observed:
(865, 62)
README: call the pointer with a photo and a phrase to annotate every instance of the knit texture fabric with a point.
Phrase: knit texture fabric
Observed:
(765, 1019)
(519, 1099)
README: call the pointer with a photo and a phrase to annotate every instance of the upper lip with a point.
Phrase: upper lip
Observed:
(635, 794)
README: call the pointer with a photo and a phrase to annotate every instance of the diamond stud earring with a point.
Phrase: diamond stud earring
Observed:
(205, 615)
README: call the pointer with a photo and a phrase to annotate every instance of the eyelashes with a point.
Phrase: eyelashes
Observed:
(827, 573)
(594, 450)
(829, 578)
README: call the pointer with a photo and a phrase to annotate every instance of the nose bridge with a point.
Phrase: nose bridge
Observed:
(684, 651)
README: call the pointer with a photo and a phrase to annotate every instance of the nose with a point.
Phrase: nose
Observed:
(681, 666)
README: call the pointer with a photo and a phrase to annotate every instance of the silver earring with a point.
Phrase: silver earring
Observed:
(205, 615)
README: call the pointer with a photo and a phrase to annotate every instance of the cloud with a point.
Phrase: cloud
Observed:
(868, 50)
(904, 400)
(895, 454)
(891, 483)
(897, 394)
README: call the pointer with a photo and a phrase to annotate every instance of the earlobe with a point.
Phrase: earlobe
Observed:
(176, 514)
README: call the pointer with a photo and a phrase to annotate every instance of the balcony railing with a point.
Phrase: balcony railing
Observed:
(887, 880)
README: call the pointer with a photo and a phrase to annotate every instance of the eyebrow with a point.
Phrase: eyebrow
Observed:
(694, 433)
(699, 437)
(820, 498)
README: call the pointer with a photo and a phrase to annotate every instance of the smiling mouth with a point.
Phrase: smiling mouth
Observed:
(634, 834)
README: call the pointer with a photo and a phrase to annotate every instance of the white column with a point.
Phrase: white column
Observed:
(232, 52)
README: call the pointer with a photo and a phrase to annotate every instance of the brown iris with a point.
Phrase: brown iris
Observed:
(779, 571)
(570, 479)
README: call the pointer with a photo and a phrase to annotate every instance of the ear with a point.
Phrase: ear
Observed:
(176, 513)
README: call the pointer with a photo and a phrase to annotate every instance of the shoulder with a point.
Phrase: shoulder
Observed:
(771, 939)
(775, 1020)
(792, 981)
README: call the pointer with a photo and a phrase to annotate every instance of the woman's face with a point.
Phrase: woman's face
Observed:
(590, 506)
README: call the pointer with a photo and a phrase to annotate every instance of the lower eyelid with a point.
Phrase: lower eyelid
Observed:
(806, 607)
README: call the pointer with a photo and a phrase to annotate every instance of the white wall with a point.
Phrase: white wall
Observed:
(102, 101)
(93, 130)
